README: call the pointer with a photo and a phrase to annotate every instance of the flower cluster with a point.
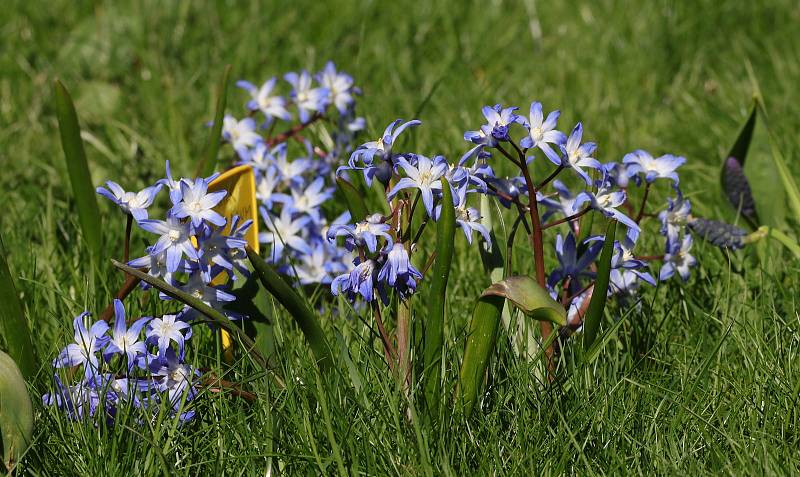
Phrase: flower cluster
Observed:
(383, 245)
(602, 189)
(136, 365)
(292, 187)
(196, 249)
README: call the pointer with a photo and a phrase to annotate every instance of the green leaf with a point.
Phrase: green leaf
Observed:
(13, 326)
(789, 184)
(481, 339)
(216, 317)
(296, 306)
(734, 182)
(530, 297)
(742, 144)
(434, 324)
(16, 412)
(209, 161)
(354, 200)
(594, 314)
(78, 170)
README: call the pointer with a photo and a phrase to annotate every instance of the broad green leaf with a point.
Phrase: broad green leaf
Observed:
(481, 339)
(209, 161)
(216, 317)
(78, 170)
(789, 184)
(434, 323)
(296, 306)
(16, 412)
(733, 179)
(354, 199)
(13, 326)
(594, 314)
(742, 144)
(530, 297)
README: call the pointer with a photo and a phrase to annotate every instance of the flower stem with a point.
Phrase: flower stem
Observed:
(388, 349)
(293, 131)
(127, 246)
(538, 247)
(644, 203)
(550, 178)
(568, 218)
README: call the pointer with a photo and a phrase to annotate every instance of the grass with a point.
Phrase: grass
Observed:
(699, 379)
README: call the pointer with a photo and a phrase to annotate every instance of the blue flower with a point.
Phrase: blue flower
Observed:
(223, 250)
(577, 155)
(308, 100)
(134, 203)
(175, 240)
(605, 201)
(266, 185)
(498, 120)
(272, 106)
(155, 264)
(398, 272)
(214, 296)
(339, 86)
(83, 350)
(570, 265)
(163, 331)
(623, 260)
(675, 218)
(363, 234)
(241, 135)
(308, 200)
(79, 401)
(640, 161)
(177, 380)
(424, 176)
(542, 132)
(318, 265)
(382, 147)
(284, 231)
(619, 174)
(291, 172)
(125, 340)
(678, 259)
(359, 281)
(198, 204)
(469, 219)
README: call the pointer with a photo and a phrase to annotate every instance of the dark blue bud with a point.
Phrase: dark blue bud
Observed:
(721, 234)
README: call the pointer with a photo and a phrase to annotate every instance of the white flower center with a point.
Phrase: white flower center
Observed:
(174, 235)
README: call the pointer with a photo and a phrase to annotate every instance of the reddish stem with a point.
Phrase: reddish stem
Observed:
(293, 131)
(644, 203)
(568, 218)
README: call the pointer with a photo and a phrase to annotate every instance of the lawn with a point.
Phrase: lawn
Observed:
(701, 378)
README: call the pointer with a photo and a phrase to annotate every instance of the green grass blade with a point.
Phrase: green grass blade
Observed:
(296, 307)
(216, 317)
(481, 339)
(13, 326)
(354, 200)
(594, 314)
(78, 170)
(16, 412)
(434, 324)
(209, 161)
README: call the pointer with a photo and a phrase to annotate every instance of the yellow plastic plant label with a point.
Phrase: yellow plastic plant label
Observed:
(240, 182)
